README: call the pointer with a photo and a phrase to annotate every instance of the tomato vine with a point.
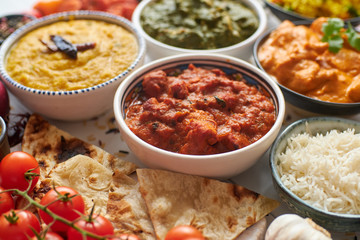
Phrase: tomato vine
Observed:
(56, 217)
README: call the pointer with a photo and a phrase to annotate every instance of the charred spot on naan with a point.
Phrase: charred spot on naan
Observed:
(39, 125)
(250, 220)
(68, 148)
(50, 146)
(42, 164)
(240, 193)
(41, 189)
(232, 223)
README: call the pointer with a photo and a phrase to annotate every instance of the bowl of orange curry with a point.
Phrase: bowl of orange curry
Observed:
(314, 75)
(203, 114)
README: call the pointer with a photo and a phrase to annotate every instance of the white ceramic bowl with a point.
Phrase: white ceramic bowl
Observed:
(286, 14)
(243, 50)
(76, 104)
(221, 165)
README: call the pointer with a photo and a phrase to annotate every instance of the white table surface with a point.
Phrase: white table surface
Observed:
(257, 178)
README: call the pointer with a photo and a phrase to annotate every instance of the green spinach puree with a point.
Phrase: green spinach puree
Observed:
(199, 24)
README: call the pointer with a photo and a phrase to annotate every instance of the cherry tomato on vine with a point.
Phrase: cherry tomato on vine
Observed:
(96, 224)
(17, 225)
(125, 236)
(49, 236)
(64, 205)
(17, 169)
(184, 232)
(6, 201)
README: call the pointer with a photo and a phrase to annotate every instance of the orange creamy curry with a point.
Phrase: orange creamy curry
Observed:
(298, 59)
(199, 111)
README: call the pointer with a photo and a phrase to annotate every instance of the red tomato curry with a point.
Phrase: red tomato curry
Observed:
(199, 111)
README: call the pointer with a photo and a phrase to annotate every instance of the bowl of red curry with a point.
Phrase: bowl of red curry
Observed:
(203, 114)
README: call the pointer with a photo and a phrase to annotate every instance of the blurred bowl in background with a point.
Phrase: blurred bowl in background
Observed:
(285, 14)
(10, 23)
(4, 142)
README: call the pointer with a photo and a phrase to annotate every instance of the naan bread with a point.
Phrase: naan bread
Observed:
(87, 176)
(116, 195)
(126, 208)
(219, 210)
(255, 232)
(50, 145)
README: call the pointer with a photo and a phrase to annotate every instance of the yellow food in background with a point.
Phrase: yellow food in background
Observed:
(33, 65)
(322, 8)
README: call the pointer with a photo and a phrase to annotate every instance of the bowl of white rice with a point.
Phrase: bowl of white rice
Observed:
(315, 164)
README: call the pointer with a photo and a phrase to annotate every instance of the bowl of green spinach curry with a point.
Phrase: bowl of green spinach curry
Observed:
(205, 26)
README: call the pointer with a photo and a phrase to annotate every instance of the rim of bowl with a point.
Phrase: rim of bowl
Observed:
(3, 129)
(189, 57)
(283, 136)
(64, 16)
(259, 41)
(299, 16)
(254, 5)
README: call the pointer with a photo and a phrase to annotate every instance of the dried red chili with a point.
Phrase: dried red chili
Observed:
(64, 46)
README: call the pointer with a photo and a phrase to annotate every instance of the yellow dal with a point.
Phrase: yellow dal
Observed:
(31, 64)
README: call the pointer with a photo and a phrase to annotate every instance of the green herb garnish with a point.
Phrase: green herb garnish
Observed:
(353, 37)
(332, 35)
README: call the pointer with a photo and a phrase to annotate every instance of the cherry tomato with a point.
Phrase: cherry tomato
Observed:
(64, 205)
(125, 236)
(97, 224)
(99, 5)
(19, 225)
(15, 171)
(69, 5)
(49, 236)
(46, 7)
(33, 12)
(184, 232)
(124, 9)
(6, 201)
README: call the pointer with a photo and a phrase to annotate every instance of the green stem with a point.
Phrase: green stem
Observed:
(12, 218)
(54, 216)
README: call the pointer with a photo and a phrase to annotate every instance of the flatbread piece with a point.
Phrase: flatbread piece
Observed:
(50, 145)
(219, 210)
(126, 208)
(87, 176)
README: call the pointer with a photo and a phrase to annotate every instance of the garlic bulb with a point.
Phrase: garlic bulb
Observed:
(294, 227)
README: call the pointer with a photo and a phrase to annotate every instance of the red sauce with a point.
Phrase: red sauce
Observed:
(199, 111)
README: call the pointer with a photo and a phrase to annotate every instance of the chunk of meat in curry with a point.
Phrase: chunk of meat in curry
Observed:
(199, 112)
(299, 60)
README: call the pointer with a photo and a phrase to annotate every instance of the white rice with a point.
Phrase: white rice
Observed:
(324, 170)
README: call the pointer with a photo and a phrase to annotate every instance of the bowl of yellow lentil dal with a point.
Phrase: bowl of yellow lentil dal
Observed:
(67, 66)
